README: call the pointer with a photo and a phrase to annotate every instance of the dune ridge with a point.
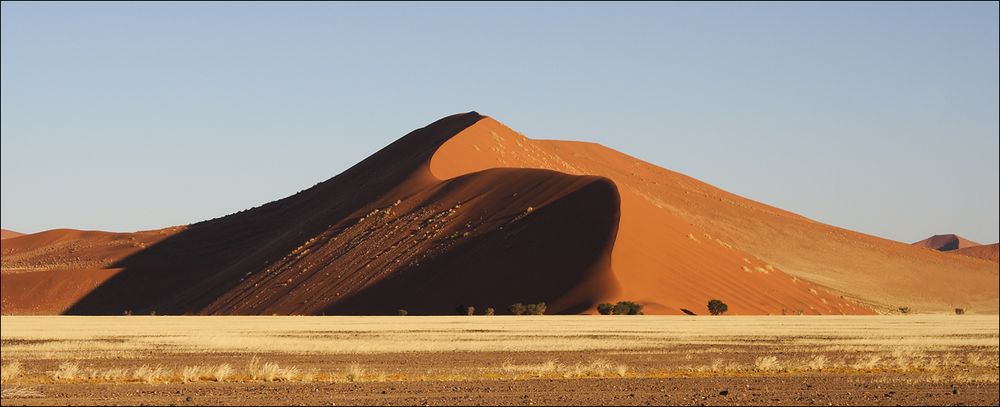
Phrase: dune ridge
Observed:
(989, 252)
(467, 211)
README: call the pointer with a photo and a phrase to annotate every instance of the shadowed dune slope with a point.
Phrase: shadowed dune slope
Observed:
(7, 234)
(466, 211)
(946, 243)
(385, 234)
(989, 252)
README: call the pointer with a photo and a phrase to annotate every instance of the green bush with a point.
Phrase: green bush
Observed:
(606, 308)
(489, 311)
(716, 307)
(516, 308)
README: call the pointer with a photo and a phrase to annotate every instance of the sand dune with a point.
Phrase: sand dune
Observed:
(986, 251)
(946, 243)
(7, 234)
(71, 249)
(467, 211)
(879, 272)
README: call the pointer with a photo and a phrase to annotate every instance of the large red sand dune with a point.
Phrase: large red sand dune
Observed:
(467, 211)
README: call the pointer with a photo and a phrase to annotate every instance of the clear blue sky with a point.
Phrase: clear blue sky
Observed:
(881, 118)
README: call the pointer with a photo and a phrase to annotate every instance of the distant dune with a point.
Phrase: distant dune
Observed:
(987, 251)
(7, 234)
(467, 211)
(946, 243)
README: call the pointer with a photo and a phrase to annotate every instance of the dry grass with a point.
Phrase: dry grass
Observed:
(67, 372)
(818, 362)
(9, 372)
(867, 362)
(356, 373)
(767, 364)
(916, 347)
(18, 391)
(222, 372)
(148, 374)
(256, 371)
(85, 338)
(552, 369)
(111, 375)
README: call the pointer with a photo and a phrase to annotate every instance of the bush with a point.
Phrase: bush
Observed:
(402, 312)
(489, 311)
(904, 310)
(620, 308)
(516, 308)
(606, 308)
(716, 307)
(627, 308)
(465, 310)
(959, 311)
(535, 309)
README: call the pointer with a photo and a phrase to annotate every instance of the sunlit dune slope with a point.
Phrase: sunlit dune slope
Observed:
(661, 209)
(989, 252)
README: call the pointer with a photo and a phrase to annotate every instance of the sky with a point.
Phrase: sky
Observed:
(876, 117)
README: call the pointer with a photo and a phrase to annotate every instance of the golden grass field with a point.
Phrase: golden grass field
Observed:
(80, 357)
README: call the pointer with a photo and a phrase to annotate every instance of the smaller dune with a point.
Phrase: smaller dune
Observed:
(7, 234)
(946, 243)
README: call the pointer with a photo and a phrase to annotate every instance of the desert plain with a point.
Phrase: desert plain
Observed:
(504, 360)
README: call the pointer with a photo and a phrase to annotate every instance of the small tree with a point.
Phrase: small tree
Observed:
(516, 308)
(605, 308)
(959, 311)
(402, 312)
(904, 310)
(489, 311)
(465, 310)
(716, 307)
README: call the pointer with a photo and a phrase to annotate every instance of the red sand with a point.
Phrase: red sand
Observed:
(466, 211)
(989, 252)
(7, 234)
(946, 243)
